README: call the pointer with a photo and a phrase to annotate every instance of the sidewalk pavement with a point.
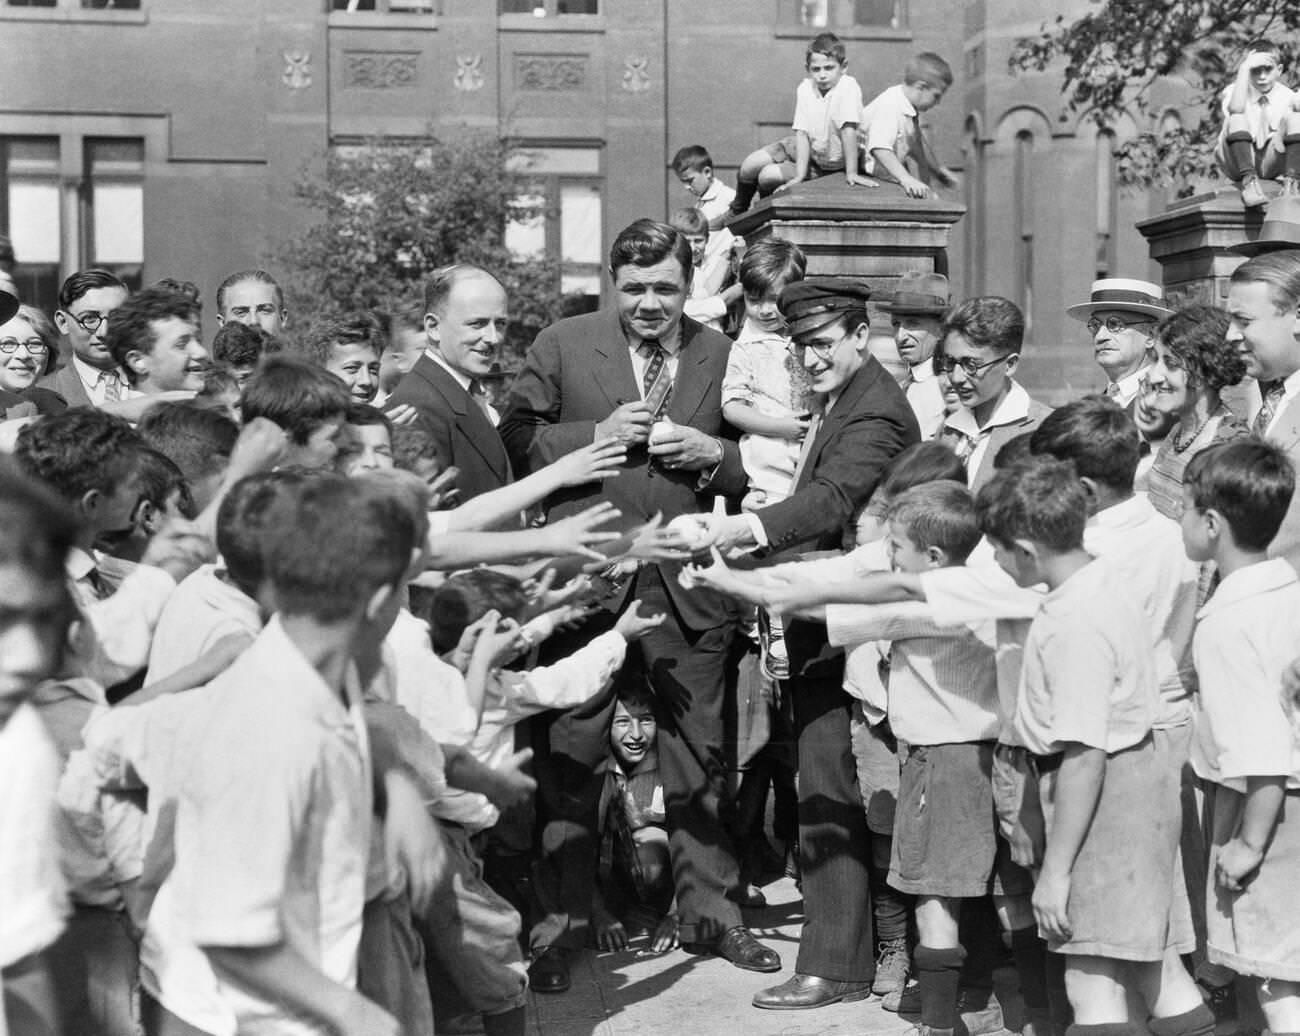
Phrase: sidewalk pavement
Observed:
(636, 993)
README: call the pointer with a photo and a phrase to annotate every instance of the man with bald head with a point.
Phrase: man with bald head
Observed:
(465, 325)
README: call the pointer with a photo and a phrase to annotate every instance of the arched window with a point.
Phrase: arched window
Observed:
(1023, 202)
(1107, 204)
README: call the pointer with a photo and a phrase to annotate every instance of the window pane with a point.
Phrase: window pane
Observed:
(573, 161)
(578, 7)
(31, 178)
(844, 14)
(580, 223)
(117, 5)
(115, 169)
(580, 284)
(521, 6)
(527, 237)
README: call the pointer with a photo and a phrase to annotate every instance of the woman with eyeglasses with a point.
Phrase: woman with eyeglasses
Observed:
(1194, 363)
(27, 347)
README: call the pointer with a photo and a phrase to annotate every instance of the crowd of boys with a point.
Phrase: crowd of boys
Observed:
(339, 694)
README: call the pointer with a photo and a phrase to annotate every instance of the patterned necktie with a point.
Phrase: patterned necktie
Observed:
(112, 387)
(656, 382)
(1272, 393)
(479, 394)
(1112, 390)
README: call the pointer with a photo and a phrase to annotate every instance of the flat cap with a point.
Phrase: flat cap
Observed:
(813, 303)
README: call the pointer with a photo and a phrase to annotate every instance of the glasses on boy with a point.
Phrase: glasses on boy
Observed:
(946, 364)
(89, 322)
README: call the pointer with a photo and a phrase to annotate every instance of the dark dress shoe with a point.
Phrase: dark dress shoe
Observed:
(549, 973)
(739, 946)
(802, 992)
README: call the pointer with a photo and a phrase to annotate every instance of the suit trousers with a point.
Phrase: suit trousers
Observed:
(685, 669)
(834, 847)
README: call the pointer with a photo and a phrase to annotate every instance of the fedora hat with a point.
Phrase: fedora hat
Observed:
(925, 294)
(1125, 295)
(1280, 229)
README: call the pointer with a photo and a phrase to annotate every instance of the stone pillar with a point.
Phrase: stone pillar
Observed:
(1190, 241)
(872, 234)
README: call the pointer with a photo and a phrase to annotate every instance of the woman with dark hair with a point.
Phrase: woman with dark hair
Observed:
(1194, 363)
(28, 345)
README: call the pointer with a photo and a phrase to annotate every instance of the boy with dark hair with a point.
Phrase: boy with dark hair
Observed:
(891, 127)
(306, 401)
(1087, 701)
(980, 342)
(1236, 496)
(154, 337)
(89, 375)
(36, 532)
(366, 443)
(252, 297)
(693, 166)
(415, 450)
(240, 346)
(197, 440)
(349, 348)
(828, 109)
(273, 825)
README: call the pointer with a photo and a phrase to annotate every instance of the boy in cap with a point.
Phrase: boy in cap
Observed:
(1121, 314)
(1260, 135)
(916, 310)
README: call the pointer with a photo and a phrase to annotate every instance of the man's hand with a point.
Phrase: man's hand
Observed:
(731, 533)
(611, 936)
(403, 413)
(260, 446)
(1237, 862)
(510, 785)
(577, 535)
(629, 424)
(178, 548)
(688, 449)
(633, 625)
(1051, 902)
(442, 489)
(601, 460)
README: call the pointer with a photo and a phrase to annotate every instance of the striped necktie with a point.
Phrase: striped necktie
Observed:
(112, 386)
(1272, 393)
(656, 382)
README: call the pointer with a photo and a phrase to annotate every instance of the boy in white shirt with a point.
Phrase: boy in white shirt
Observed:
(828, 108)
(1260, 135)
(891, 127)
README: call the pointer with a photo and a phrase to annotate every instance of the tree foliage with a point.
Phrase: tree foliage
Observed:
(391, 211)
(1116, 56)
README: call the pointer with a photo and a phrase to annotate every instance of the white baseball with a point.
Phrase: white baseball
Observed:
(692, 528)
(660, 431)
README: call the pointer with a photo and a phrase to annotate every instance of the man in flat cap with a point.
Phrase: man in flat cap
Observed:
(916, 310)
(864, 423)
(621, 372)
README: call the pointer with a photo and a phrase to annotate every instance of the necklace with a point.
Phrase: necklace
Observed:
(1181, 446)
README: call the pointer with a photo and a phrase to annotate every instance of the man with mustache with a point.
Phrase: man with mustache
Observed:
(465, 322)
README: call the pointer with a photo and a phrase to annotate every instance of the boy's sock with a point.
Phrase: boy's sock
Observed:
(937, 971)
(1030, 953)
(746, 189)
(1199, 1021)
(507, 1023)
(1241, 155)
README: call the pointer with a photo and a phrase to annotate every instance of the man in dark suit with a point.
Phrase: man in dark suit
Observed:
(1121, 315)
(89, 376)
(465, 323)
(866, 422)
(622, 373)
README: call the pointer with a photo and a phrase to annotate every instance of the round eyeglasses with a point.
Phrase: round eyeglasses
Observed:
(35, 346)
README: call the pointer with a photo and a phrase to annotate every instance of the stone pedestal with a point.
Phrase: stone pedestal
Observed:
(1190, 241)
(875, 234)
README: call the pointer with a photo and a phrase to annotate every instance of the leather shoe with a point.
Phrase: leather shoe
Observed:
(549, 972)
(739, 946)
(801, 992)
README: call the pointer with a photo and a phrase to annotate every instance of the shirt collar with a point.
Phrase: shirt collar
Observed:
(90, 375)
(1130, 384)
(672, 345)
(1127, 514)
(715, 187)
(462, 379)
(905, 105)
(1250, 581)
(1291, 384)
(1013, 409)
(79, 564)
(923, 371)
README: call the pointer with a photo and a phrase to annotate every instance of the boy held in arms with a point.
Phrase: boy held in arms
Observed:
(1087, 700)
(1248, 740)
(943, 708)
(828, 108)
(891, 128)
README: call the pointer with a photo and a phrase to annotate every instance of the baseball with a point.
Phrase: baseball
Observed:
(693, 530)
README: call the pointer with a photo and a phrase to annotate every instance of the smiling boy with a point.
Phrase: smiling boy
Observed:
(154, 337)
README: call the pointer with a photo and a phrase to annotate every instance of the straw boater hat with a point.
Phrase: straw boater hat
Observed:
(1124, 295)
(1280, 229)
(921, 294)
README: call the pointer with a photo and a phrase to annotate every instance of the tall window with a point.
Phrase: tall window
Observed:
(1107, 204)
(567, 188)
(1023, 186)
(847, 14)
(62, 223)
(972, 188)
